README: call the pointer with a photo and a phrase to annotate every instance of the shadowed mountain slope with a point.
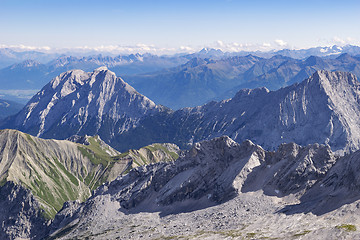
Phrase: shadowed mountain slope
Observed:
(322, 109)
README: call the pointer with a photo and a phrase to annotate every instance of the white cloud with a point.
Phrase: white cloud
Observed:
(186, 49)
(139, 48)
(280, 42)
(22, 47)
(114, 49)
(344, 41)
(328, 42)
(220, 43)
(237, 47)
(25, 94)
(153, 49)
(339, 41)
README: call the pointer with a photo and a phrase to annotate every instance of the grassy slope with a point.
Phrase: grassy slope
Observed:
(59, 171)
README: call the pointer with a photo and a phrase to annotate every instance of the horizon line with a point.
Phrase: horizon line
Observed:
(152, 49)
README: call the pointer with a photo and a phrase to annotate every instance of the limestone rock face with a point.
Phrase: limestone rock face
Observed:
(20, 214)
(292, 169)
(340, 186)
(322, 109)
(219, 169)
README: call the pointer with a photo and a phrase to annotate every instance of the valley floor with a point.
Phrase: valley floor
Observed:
(251, 215)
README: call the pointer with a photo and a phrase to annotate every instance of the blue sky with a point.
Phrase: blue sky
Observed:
(162, 25)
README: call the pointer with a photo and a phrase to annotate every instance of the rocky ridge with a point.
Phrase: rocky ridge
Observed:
(37, 176)
(322, 109)
(222, 189)
(54, 170)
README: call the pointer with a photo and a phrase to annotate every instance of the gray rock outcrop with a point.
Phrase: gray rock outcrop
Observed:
(20, 214)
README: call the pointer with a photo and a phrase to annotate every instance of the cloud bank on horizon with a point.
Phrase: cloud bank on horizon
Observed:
(277, 44)
(163, 27)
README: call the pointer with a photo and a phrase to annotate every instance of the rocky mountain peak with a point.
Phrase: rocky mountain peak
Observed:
(194, 62)
(63, 61)
(69, 80)
(79, 139)
(26, 64)
(253, 92)
(207, 172)
(332, 100)
(215, 171)
(234, 183)
(216, 144)
(224, 146)
(206, 50)
(83, 101)
(102, 68)
(314, 60)
(346, 57)
(335, 78)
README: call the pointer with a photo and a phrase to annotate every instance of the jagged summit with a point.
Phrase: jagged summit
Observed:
(335, 78)
(316, 61)
(195, 62)
(206, 50)
(206, 173)
(102, 68)
(345, 57)
(220, 169)
(254, 92)
(26, 64)
(77, 102)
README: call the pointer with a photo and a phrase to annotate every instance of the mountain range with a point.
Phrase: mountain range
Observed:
(189, 81)
(321, 109)
(201, 80)
(194, 79)
(291, 157)
(9, 56)
(31, 74)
